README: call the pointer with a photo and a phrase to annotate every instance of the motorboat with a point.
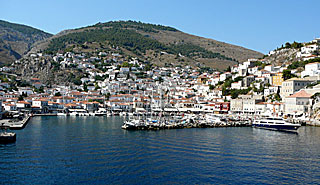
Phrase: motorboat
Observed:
(275, 123)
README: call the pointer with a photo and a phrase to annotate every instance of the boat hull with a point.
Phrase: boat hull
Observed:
(7, 138)
(277, 126)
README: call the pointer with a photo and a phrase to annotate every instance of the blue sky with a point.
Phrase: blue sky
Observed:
(254, 24)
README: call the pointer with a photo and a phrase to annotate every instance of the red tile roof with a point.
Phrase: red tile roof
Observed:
(300, 94)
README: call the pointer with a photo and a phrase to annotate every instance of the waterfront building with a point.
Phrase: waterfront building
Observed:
(245, 104)
(293, 85)
(298, 103)
(42, 104)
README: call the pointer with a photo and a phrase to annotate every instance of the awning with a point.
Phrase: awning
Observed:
(77, 110)
(140, 110)
(171, 110)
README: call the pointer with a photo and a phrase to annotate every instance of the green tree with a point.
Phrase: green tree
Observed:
(228, 69)
(211, 87)
(160, 79)
(20, 98)
(287, 74)
(277, 97)
(287, 45)
(96, 87)
(107, 96)
(77, 81)
(85, 87)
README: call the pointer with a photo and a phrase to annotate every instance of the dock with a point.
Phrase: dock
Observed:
(144, 124)
(15, 125)
(179, 126)
(45, 114)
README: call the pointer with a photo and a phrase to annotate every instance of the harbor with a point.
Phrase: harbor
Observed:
(15, 123)
(58, 146)
(155, 120)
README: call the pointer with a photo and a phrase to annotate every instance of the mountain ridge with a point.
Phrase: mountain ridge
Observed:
(156, 38)
(17, 39)
(144, 40)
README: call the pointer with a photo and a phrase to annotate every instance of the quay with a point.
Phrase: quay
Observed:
(45, 114)
(182, 126)
(190, 121)
(13, 124)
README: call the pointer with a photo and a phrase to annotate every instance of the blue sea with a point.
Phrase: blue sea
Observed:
(95, 150)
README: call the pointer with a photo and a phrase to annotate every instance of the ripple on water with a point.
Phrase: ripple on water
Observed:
(53, 150)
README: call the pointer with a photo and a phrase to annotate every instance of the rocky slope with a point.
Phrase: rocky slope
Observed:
(16, 40)
(156, 43)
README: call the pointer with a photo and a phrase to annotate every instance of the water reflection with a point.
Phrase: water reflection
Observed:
(94, 150)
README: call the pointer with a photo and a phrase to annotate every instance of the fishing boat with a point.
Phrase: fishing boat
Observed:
(275, 123)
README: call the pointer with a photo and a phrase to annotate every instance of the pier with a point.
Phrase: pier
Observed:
(46, 114)
(180, 123)
(182, 126)
(13, 124)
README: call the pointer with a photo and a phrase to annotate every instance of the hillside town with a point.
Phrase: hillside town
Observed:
(115, 84)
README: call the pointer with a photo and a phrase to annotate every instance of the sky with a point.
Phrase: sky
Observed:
(254, 24)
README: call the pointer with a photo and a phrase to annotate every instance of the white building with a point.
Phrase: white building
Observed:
(298, 103)
(312, 69)
(236, 85)
(307, 50)
(224, 76)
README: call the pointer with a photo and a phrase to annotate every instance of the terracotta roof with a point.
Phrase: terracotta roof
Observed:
(76, 93)
(41, 99)
(71, 105)
(57, 97)
(300, 94)
(262, 103)
(24, 102)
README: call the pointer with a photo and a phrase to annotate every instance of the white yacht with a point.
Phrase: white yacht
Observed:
(275, 123)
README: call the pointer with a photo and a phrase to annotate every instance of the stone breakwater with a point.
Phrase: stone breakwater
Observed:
(144, 125)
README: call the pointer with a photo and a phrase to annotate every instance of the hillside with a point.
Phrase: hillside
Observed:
(156, 43)
(16, 40)
(286, 54)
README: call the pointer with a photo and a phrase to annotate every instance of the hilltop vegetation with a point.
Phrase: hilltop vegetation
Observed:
(114, 36)
(130, 40)
(156, 43)
(288, 45)
(27, 30)
(146, 27)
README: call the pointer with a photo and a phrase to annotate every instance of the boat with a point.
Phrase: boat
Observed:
(7, 137)
(275, 123)
(100, 112)
(212, 119)
(61, 114)
(74, 114)
(132, 124)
